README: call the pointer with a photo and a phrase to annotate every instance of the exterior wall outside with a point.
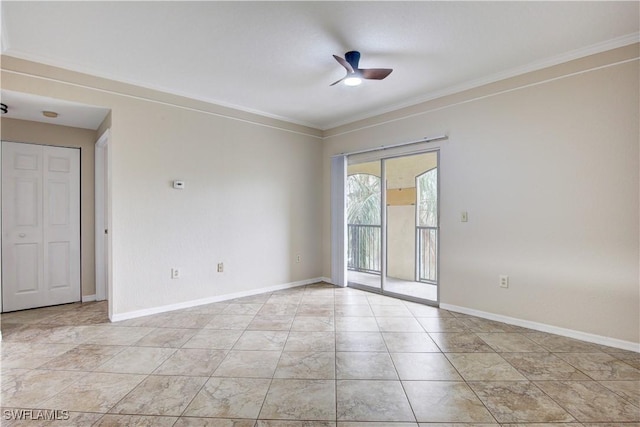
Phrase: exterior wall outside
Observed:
(401, 242)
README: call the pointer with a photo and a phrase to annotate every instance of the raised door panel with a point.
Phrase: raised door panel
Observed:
(27, 201)
(58, 206)
(27, 259)
(59, 274)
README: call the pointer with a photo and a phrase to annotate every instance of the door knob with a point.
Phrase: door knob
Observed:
(22, 235)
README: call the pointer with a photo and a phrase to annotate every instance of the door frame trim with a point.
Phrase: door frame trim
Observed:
(338, 221)
(102, 217)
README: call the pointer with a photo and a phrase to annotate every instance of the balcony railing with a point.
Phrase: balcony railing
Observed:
(427, 254)
(364, 251)
(364, 248)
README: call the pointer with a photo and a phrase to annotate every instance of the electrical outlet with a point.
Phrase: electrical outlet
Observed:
(298, 259)
(504, 281)
(175, 273)
(220, 267)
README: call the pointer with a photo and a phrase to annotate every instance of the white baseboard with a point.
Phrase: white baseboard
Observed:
(88, 298)
(194, 303)
(583, 336)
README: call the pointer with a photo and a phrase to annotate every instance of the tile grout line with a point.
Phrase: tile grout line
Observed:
(404, 390)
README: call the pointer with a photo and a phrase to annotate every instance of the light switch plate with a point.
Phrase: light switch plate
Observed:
(504, 281)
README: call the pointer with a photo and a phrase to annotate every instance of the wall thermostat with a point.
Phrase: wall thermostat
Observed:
(179, 185)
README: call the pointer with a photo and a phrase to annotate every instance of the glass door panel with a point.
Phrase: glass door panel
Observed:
(427, 226)
(364, 225)
(412, 226)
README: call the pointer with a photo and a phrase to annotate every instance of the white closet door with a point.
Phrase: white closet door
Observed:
(40, 226)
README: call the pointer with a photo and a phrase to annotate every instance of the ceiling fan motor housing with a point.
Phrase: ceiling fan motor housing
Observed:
(353, 58)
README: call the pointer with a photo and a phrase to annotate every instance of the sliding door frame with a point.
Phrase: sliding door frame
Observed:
(383, 228)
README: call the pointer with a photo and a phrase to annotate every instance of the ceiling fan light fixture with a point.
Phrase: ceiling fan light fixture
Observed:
(355, 75)
(352, 81)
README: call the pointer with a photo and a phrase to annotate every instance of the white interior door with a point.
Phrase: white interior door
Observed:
(40, 225)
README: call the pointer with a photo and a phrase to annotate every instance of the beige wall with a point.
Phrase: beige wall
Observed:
(546, 165)
(252, 198)
(65, 136)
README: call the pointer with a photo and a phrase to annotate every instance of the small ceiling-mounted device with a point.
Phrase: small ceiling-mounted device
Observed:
(354, 74)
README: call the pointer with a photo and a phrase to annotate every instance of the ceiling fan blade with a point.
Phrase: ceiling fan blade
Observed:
(375, 73)
(344, 63)
(336, 82)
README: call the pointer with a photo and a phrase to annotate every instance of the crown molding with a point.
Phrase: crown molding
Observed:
(76, 68)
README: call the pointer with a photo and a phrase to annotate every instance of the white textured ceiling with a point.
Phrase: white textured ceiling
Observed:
(274, 58)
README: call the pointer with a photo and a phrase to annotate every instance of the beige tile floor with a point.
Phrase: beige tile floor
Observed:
(309, 356)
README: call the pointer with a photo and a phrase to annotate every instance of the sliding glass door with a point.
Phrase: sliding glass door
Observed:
(392, 226)
(412, 226)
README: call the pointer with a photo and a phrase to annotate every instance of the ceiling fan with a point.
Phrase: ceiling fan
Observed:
(354, 74)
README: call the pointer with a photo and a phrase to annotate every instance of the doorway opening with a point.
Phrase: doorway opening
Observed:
(392, 226)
